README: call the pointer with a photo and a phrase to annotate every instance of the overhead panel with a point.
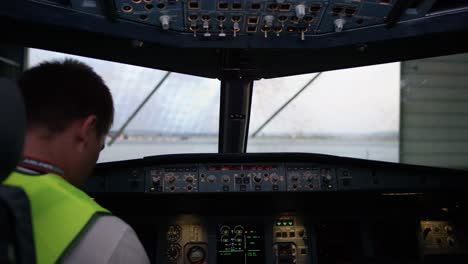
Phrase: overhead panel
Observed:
(210, 19)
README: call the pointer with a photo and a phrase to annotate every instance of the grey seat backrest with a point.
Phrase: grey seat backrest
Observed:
(12, 127)
(16, 236)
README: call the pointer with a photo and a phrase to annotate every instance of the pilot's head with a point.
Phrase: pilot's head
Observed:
(69, 112)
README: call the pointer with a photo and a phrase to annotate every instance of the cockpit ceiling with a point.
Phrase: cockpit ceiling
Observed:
(252, 39)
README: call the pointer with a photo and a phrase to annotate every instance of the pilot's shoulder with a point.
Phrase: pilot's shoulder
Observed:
(108, 240)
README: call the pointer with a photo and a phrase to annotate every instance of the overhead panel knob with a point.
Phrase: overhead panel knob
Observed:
(339, 24)
(165, 21)
(300, 11)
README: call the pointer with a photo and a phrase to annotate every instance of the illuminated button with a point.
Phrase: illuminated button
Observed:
(330, 186)
(243, 188)
(290, 223)
(152, 189)
(278, 223)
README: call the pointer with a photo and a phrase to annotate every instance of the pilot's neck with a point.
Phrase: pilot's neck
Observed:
(48, 149)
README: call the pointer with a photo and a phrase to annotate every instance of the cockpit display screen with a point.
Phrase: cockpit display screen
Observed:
(240, 243)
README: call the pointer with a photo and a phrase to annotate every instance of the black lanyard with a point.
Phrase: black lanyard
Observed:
(40, 166)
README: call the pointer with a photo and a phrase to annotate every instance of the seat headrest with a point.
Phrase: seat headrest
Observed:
(12, 127)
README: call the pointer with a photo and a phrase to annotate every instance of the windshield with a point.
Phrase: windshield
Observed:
(352, 112)
(412, 112)
(180, 116)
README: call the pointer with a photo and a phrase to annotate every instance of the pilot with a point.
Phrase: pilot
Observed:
(69, 112)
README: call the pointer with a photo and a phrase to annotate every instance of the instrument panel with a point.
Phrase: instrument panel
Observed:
(289, 238)
(199, 239)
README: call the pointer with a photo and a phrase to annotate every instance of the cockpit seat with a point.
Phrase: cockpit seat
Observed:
(16, 235)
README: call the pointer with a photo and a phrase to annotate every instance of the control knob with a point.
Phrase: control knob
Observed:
(339, 24)
(226, 178)
(300, 11)
(451, 241)
(294, 178)
(189, 179)
(448, 229)
(274, 178)
(165, 20)
(257, 178)
(172, 179)
(211, 178)
(196, 254)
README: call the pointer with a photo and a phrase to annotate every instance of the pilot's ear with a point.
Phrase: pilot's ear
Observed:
(87, 127)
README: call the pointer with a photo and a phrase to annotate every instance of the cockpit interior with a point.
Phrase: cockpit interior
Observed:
(272, 131)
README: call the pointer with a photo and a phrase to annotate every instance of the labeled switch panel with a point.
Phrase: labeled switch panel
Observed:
(307, 177)
(172, 179)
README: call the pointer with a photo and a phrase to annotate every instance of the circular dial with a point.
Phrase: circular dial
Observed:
(225, 230)
(196, 255)
(173, 233)
(239, 230)
(173, 252)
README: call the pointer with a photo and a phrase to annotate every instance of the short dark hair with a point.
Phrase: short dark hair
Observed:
(56, 93)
